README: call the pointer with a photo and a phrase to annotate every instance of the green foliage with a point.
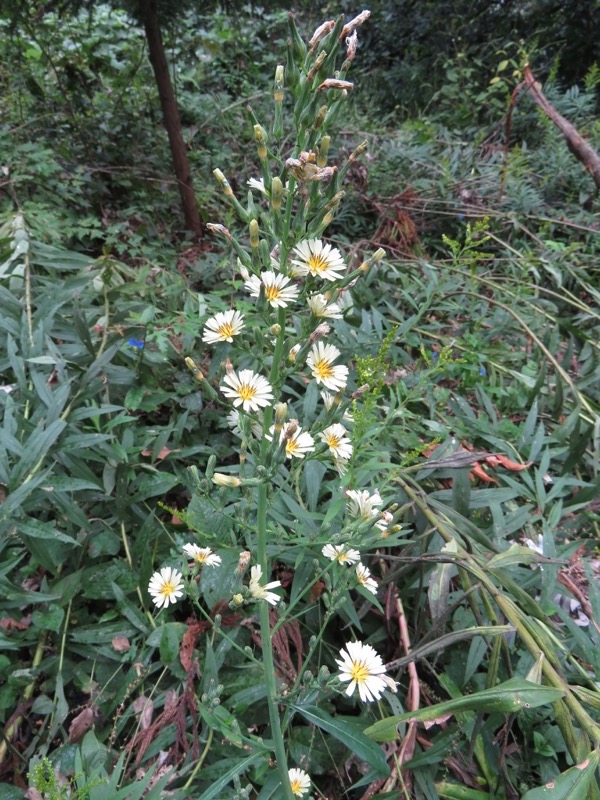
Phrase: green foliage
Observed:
(478, 337)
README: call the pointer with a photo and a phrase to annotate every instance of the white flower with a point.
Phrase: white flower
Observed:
(316, 258)
(248, 389)
(202, 555)
(276, 288)
(341, 553)
(261, 592)
(319, 307)
(335, 438)
(258, 184)
(320, 361)
(384, 521)
(364, 578)
(233, 421)
(362, 504)
(223, 327)
(297, 444)
(363, 667)
(299, 781)
(165, 587)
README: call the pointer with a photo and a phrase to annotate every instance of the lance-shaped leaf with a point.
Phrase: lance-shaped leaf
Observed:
(509, 697)
(571, 785)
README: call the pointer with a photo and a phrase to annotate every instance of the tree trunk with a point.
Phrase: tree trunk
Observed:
(158, 59)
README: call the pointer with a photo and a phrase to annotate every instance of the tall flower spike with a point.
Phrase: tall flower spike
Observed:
(247, 389)
(314, 257)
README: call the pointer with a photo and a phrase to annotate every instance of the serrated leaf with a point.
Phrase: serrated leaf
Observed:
(509, 697)
(351, 736)
(570, 785)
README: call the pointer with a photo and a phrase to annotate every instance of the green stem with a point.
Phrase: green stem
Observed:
(267, 649)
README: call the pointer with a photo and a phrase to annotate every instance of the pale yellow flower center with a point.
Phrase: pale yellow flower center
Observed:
(246, 392)
(323, 369)
(359, 672)
(296, 787)
(167, 589)
(226, 331)
(272, 293)
(291, 446)
(333, 441)
(317, 264)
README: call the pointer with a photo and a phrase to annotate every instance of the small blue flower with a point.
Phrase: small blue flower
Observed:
(435, 354)
(460, 217)
(137, 343)
(482, 371)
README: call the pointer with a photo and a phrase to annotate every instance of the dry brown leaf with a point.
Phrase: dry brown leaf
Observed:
(81, 724)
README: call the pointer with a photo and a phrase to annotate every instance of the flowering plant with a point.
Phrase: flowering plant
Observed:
(286, 391)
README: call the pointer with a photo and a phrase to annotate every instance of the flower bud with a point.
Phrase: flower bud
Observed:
(278, 89)
(228, 191)
(321, 33)
(354, 23)
(260, 137)
(323, 151)
(335, 83)
(281, 413)
(319, 120)
(293, 353)
(276, 193)
(237, 601)
(214, 227)
(194, 369)
(226, 480)
(254, 230)
(317, 65)
(275, 329)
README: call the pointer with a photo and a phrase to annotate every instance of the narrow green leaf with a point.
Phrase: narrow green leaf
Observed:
(509, 697)
(570, 785)
(238, 769)
(352, 737)
(516, 554)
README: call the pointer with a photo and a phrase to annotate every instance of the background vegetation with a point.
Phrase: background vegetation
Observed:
(487, 305)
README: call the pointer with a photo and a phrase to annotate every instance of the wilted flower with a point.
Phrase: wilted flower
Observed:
(317, 258)
(261, 592)
(362, 666)
(165, 587)
(335, 438)
(299, 781)
(248, 389)
(364, 578)
(202, 555)
(362, 504)
(223, 327)
(384, 521)
(258, 184)
(320, 361)
(341, 553)
(276, 290)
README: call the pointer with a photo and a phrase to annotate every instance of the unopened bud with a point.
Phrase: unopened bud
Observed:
(293, 353)
(278, 89)
(254, 231)
(227, 190)
(281, 414)
(226, 480)
(260, 137)
(228, 367)
(194, 369)
(323, 151)
(275, 329)
(243, 271)
(276, 193)
(319, 120)
(237, 601)
(359, 151)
